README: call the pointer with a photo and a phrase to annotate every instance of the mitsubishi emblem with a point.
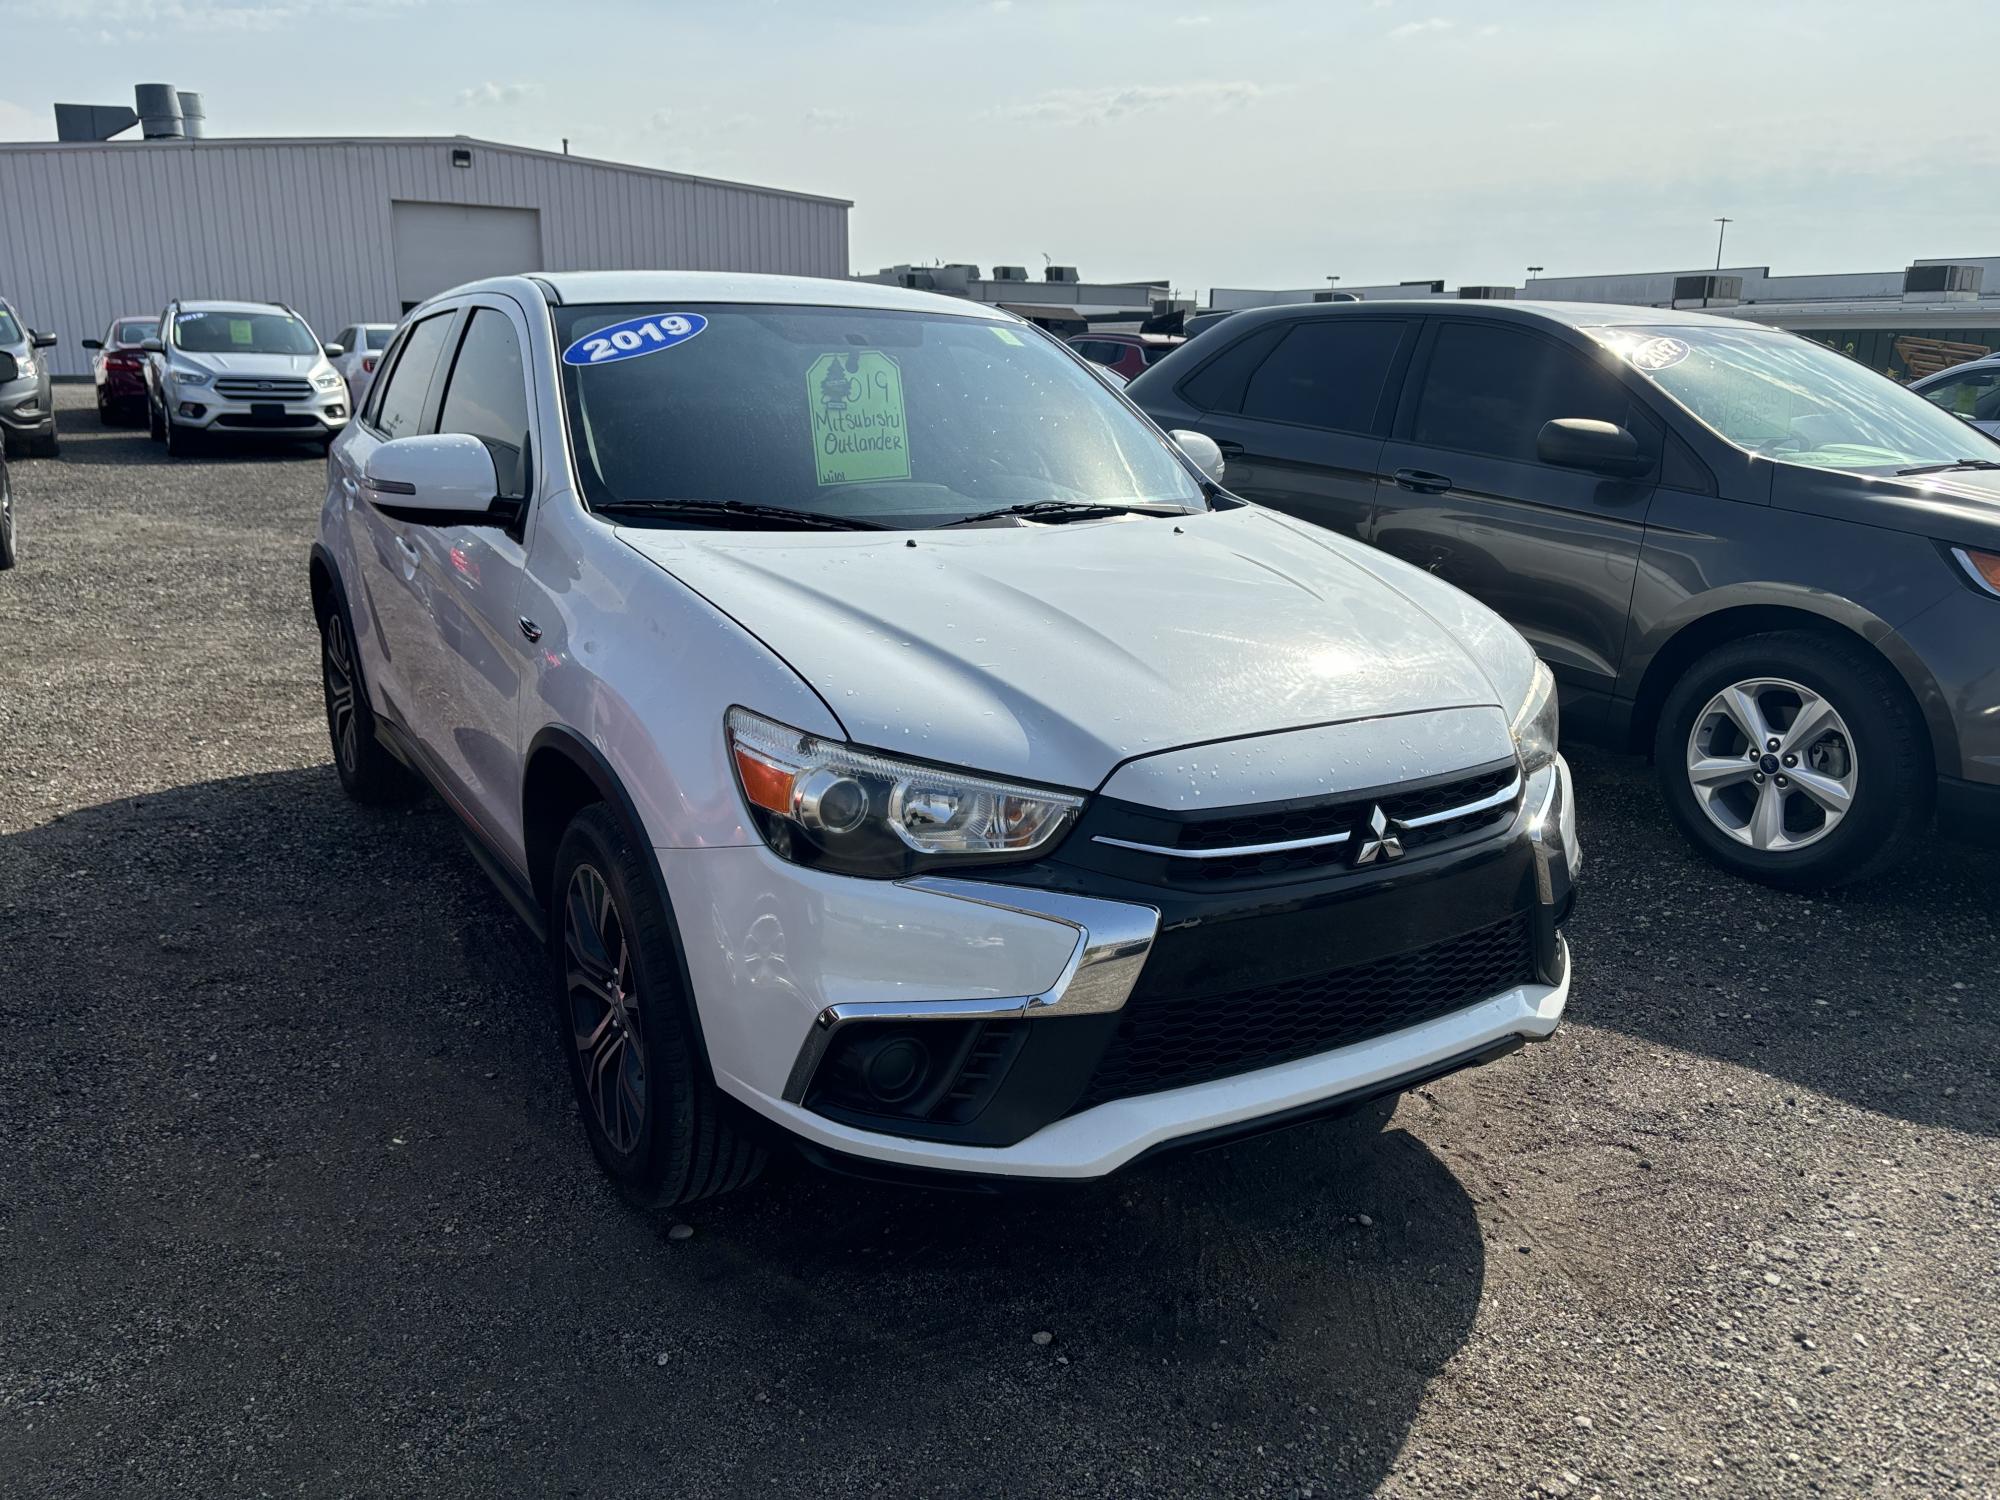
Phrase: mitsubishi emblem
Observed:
(1373, 839)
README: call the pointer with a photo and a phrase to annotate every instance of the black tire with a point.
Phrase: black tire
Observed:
(156, 427)
(179, 441)
(8, 556)
(1894, 780)
(655, 1121)
(368, 772)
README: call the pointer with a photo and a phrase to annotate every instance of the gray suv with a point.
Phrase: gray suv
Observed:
(27, 399)
(1769, 567)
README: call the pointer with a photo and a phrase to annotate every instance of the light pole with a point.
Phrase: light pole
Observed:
(1532, 270)
(1719, 233)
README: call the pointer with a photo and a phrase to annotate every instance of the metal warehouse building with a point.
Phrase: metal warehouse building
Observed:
(360, 230)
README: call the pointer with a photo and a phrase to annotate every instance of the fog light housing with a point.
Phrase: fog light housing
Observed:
(192, 409)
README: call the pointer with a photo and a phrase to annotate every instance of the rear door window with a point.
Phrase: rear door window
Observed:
(1218, 386)
(1326, 372)
(1489, 389)
(400, 405)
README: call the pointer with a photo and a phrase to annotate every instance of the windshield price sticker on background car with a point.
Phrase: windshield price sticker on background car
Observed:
(240, 331)
(634, 337)
(858, 426)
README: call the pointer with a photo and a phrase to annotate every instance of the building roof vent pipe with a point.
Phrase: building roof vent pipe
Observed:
(194, 118)
(159, 109)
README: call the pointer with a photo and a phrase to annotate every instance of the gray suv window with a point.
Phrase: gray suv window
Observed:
(1328, 372)
(1490, 389)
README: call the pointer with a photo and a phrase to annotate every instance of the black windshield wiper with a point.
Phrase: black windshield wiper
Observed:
(744, 510)
(1956, 463)
(1066, 510)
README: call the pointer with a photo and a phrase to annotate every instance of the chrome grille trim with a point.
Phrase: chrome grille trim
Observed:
(250, 388)
(1501, 798)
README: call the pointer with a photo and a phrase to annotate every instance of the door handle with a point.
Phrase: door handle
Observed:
(411, 557)
(1229, 450)
(530, 629)
(1422, 481)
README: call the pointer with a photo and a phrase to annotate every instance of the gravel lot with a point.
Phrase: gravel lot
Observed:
(293, 1200)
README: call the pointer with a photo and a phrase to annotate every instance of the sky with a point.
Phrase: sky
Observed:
(1272, 143)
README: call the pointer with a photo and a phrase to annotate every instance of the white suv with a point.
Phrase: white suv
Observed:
(244, 369)
(907, 752)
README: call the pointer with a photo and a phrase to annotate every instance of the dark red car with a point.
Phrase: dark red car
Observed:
(1127, 353)
(118, 368)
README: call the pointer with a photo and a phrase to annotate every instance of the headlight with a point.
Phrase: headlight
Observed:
(327, 381)
(25, 365)
(1537, 722)
(189, 377)
(823, 803)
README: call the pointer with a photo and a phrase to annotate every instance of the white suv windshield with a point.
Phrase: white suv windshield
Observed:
(242, 333)
(1786, 398)
(896, 418)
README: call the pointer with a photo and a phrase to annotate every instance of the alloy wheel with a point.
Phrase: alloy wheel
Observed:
(604, 1009)
(1772, 764)
(339, 663)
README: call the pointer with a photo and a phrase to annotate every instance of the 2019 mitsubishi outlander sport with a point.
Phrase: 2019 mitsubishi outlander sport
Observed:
(907, 752)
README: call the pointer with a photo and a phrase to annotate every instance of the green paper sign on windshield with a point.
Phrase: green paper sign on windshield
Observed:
(859, 431)
(239, 331)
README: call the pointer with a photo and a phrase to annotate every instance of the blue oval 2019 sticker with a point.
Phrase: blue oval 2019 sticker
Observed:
(634, 337)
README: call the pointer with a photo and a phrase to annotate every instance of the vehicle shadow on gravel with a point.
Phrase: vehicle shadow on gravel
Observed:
(1882, 994)
(312, 1085)
(87, 441)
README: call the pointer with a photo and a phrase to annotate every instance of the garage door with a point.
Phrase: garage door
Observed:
(439, 245)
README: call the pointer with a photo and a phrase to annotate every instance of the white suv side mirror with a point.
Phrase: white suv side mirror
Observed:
(445, 473)
(1201, 451)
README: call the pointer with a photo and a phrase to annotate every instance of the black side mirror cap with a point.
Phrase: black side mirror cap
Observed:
(44, 340)
(93, 344)
(153, 346)
(1585, 443)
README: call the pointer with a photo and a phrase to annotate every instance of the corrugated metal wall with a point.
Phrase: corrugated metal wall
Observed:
(91, 231)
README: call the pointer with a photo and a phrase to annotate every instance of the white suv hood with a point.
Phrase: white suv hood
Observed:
(249, 364)
(1054, 653)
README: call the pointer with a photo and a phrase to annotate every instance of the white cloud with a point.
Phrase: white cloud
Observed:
(490, 93)
(1096, 106)
(1194, 20)
(138, 20)
(818, 118)
(1428, 27)
(18, 123)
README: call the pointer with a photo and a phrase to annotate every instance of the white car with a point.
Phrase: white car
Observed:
(1970, 390)
(239, 369)
(361, 346)
(907, 752)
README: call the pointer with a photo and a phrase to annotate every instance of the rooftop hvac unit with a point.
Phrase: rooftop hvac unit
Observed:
(957, 277)
(1435, 288)
(1060, 273)
(1707, 291)
(1486, 293)
(919, 280)
(159, 111)
(1943, 283)
(1335, 297)
(1010, 273)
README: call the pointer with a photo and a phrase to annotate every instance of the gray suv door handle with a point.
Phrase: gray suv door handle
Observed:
(1229, 450)
(1422, 481)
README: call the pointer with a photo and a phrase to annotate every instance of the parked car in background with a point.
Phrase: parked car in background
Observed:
(1199, 323)
(27, 396)
(907, 752)
(1971, 391)
(7, 554)
(240, 369)
(1127, 353)
(1775, 570)
(361, 347)
(118, 368)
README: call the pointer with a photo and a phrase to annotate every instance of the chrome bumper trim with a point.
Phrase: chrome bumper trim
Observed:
(1501, 798)
(1113, 939)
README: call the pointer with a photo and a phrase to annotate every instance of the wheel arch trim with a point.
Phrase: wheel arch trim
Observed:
(1710, 620)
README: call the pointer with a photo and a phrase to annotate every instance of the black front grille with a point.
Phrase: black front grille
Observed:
(1342, 814)
(1170, 1043)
